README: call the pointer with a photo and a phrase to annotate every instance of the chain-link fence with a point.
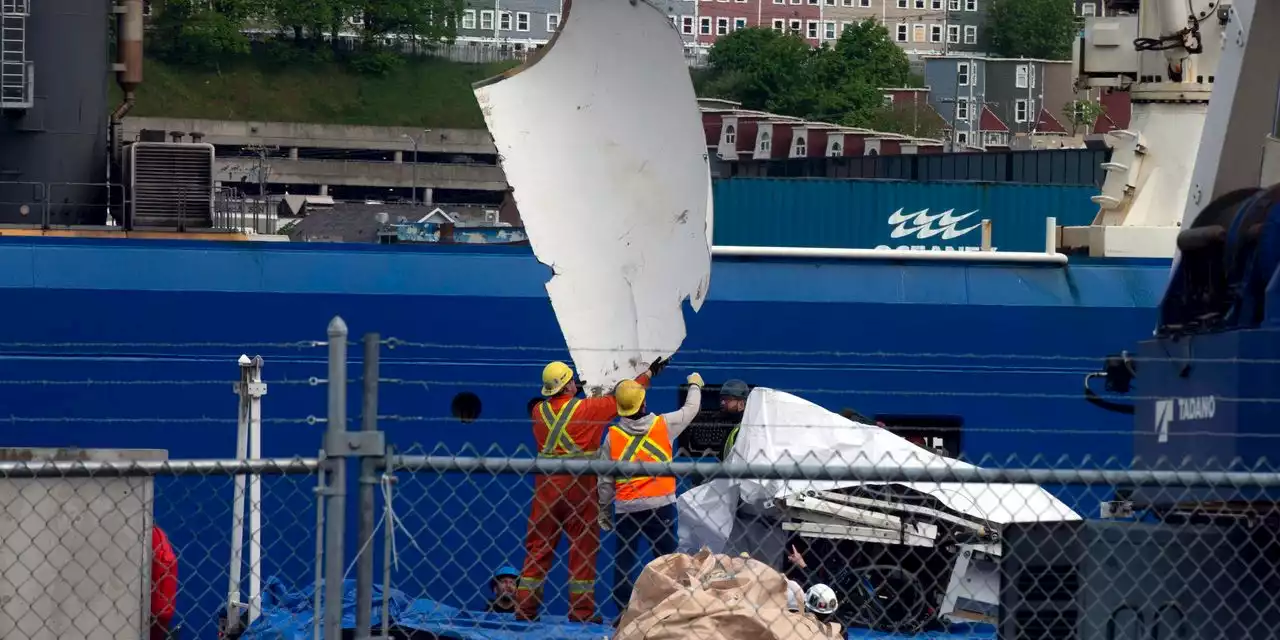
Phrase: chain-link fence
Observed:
(711, 511)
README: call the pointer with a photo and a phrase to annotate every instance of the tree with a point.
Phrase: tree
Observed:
(1082, 114)
(914, 119)
(1032, 28)
(200, 33)
(870, 54)
(778, 72)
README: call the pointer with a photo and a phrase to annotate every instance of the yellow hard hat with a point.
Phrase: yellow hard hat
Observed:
(554, 378)
(630, 397)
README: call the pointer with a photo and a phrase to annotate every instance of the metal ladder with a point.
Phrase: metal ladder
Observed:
(15, 71)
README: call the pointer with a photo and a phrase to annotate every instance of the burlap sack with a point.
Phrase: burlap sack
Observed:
(714, 597)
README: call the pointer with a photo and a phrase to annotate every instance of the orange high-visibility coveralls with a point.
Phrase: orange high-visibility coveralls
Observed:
(565, 427)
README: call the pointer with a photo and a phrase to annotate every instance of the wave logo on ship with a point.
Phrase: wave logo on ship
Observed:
(923, 225)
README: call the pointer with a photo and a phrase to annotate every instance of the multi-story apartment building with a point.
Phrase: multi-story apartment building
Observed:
(518, 23)
(965, 21)
(1014, 90)
(716, 18)
(918, 26)
(803, 17)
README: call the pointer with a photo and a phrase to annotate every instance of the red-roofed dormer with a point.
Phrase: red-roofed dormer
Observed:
(1046, 123)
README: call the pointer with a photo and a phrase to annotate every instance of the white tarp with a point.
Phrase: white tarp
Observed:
(780, 427)
(601, 140)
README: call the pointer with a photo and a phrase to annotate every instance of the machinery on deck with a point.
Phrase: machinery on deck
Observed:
(1213, 358)
(1200, 562)
(1169, 55)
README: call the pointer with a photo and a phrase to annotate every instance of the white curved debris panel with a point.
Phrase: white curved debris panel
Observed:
(784, 428)
(602, 143)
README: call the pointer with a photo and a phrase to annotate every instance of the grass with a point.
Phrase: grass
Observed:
(421, 93)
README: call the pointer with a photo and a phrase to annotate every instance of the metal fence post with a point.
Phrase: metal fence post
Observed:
(368, 482)
(337, 498)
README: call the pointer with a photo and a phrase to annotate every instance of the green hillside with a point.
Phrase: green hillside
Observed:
(425, 92)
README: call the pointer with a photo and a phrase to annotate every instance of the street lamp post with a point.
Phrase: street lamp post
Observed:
(414, 194)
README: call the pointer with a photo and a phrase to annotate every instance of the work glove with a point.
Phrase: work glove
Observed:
(605, 519)
(657, 366)
(695, 379)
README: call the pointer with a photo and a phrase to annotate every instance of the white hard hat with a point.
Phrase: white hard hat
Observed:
(821, 599)
(795, 593)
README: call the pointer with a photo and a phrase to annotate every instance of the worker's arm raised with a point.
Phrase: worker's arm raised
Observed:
(679, 420)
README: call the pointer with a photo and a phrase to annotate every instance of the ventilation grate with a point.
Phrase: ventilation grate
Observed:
(171, 185)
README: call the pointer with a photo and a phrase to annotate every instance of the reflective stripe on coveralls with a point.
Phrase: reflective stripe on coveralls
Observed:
(559, 444)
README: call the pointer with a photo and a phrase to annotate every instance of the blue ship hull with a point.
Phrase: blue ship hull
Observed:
(843, 334)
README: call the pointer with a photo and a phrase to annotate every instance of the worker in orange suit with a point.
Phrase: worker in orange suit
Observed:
(566, 426)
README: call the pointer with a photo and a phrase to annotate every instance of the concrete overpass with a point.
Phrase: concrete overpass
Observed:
(293, 135)
(356, 173)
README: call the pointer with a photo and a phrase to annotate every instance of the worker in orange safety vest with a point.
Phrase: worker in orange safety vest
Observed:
(646, 506)
(566, 426)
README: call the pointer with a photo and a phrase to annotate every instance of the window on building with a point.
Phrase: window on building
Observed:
(504, 21)
(995, 138)
(686, 25)
(801, 148)
(739, 23)
(918, 33)
(829, 31)
(795, 1)
(902, 4)
(730, 134)
(1088, 9)
(704, 25)
(553, 21)
(779, 1)
(1020, 110)
(935, 33)
(970, 5)
(1020, 76)
(486, 20)
(722, 26)
(846, 3)
(971, 34)
(953, 33)
(779, 25)
(865, 4)
(812, 29)
(831, 3)
(962, 74)
(522, 21)
(962, 137)
(796, 27)
(962, 109)
(888, 99)
(920, 4)
(953, 5)
(675, 21)
(901, 34)
(936, 5)
(836, 150)
(469, 19)
(765, 144)
(814, 2)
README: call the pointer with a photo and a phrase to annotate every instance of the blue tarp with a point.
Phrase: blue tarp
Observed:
(287, 615)
(449, 622)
